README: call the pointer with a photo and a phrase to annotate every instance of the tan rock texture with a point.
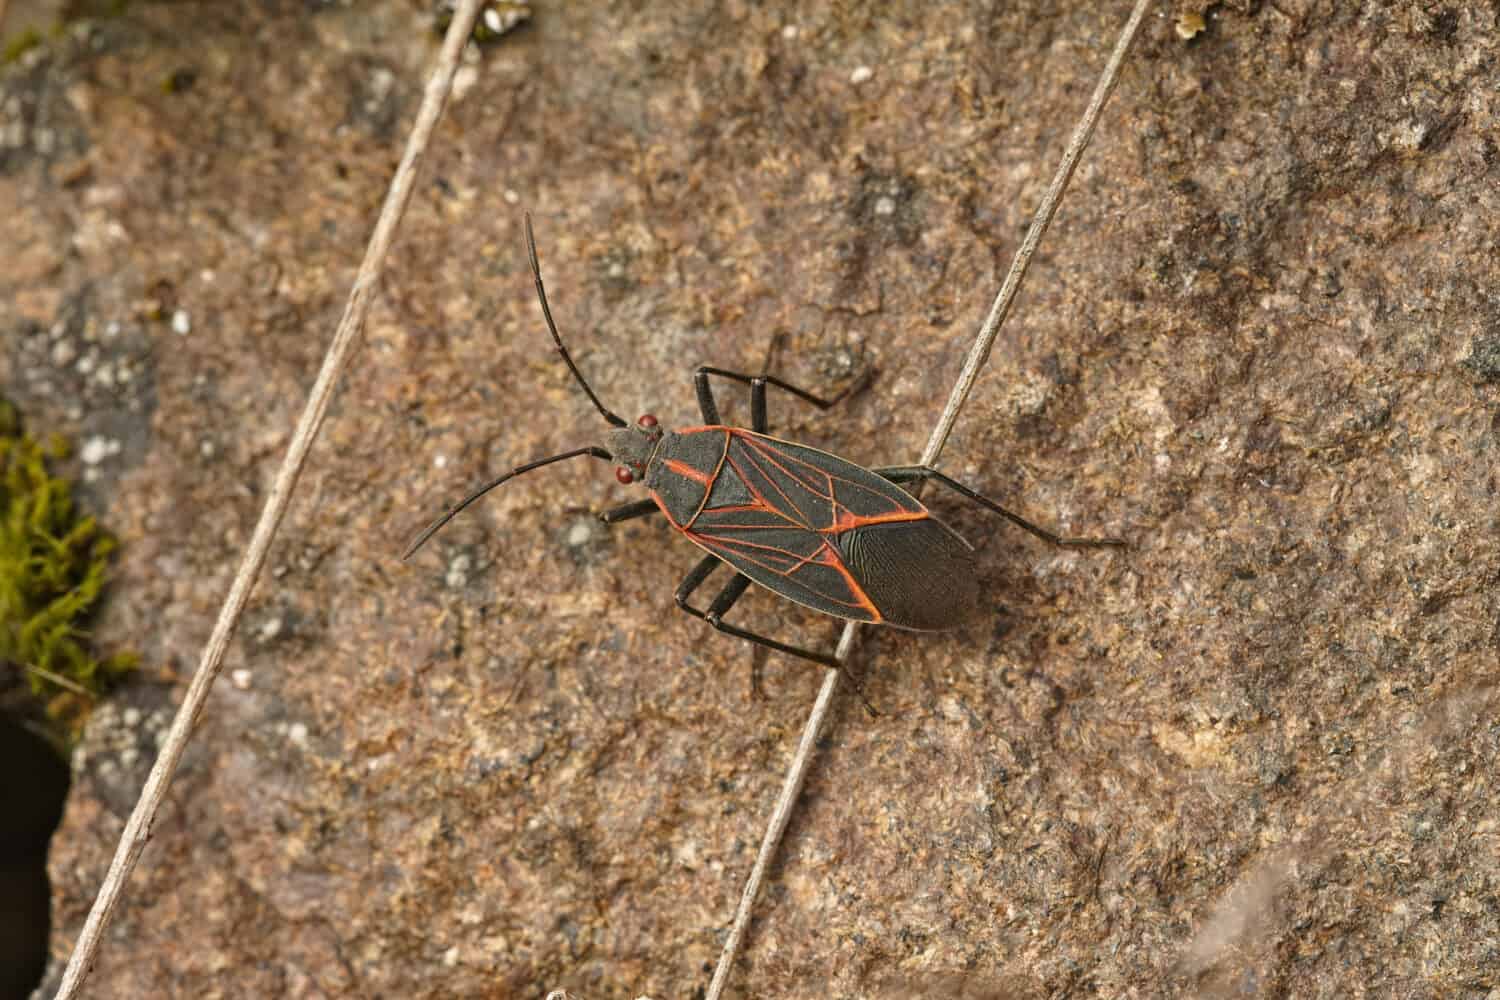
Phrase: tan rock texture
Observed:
(1254, 754)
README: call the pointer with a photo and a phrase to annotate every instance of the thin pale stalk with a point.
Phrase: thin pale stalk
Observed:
(59, 679)
(990, 329)
(138, 828)
(979, 353)
(791, 789)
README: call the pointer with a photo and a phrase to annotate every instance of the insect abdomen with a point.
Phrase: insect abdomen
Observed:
(918, 574)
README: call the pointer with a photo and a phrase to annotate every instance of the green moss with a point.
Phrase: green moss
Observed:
(53, 565)
(18, 45)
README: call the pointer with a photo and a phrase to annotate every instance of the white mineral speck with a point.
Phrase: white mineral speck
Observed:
(440, 461)
(297, 733)
(458, 571)
(861, 74)
(240, 678)
(182, 323)
(95, 450)
(885, 205)
(63, 353)
(579, 533)
(381, 82)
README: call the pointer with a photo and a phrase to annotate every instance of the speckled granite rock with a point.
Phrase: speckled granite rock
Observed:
(1252, 755)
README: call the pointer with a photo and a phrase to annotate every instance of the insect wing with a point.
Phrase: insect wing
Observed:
(777, 512)
(816, 490)
(783, 557)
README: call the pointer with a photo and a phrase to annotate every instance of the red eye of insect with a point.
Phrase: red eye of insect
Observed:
(647, 420)
(624, 475)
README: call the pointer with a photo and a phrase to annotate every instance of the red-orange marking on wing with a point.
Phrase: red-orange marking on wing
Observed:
(846, 520)
(854, 588)
(826, 555)
(755, 492)
(688, 472)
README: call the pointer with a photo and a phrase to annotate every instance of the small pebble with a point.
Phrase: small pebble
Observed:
(240, 678)
(182, 323)
(1189, 25)
(861, 74)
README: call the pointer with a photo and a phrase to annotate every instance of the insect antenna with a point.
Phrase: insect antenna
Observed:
(431, 529)
(541, 293)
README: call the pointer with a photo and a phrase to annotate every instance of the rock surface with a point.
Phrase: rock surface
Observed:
(1254, 754)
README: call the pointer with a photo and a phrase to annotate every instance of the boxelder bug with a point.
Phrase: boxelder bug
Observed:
(815, 528)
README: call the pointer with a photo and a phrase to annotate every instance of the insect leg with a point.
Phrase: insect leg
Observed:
(625, 512)
(920, 473)
(757, 384)
(724, 601)
(731, 593)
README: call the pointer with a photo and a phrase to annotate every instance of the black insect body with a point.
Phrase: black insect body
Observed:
(815, 528)
(810, 526)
